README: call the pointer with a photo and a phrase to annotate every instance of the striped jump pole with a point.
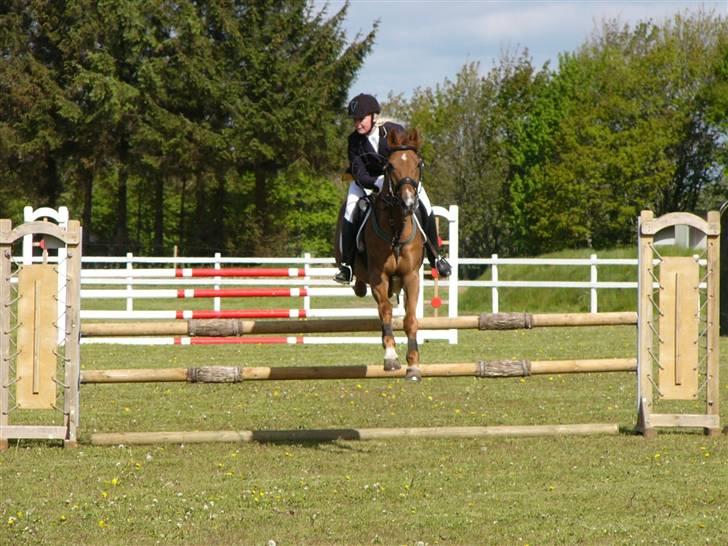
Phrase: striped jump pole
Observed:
(239, 327)
(237, 374)
(196, 272)
(187, 293)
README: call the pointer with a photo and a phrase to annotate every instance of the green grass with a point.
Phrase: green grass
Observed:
(569, 490)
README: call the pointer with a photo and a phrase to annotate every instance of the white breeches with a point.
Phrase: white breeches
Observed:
(356, 193)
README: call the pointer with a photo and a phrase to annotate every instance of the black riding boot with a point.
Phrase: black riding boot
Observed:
(348, 253)
(432, 247)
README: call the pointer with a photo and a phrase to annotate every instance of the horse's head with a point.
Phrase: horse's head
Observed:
(404, 169)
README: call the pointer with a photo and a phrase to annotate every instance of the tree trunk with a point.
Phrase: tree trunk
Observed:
(158, 216)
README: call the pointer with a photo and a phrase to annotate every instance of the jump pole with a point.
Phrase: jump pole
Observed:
(237, 327)
(331, 435)
(235, 374)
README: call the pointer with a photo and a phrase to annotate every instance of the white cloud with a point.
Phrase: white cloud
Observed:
(420, 43)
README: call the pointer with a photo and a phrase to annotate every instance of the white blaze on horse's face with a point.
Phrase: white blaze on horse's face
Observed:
(409, 199)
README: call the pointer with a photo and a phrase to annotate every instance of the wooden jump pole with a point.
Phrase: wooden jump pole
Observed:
(330, 435)
(235, 374)
(237, 327)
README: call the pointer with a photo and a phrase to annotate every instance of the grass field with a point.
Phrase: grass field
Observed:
(567, 490)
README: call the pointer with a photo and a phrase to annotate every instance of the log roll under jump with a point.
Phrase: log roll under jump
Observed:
(238, 327)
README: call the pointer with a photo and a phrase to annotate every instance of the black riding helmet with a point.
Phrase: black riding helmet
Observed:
(362, 105)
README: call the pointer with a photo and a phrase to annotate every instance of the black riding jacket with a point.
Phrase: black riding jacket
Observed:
(365, 166)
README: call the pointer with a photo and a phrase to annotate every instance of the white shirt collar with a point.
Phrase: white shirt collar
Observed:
(374, 138)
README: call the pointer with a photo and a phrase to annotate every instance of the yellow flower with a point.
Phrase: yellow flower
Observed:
(114, 481)
(102, 523)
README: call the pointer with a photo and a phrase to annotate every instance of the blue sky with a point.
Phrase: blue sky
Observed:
(422, 42)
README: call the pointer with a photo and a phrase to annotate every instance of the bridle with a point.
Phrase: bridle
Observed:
(392, 196)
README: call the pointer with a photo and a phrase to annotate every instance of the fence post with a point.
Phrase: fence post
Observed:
(453, 251)
(130, 281)
(216, 301)
(307, 277)
(494, 290)
(593, 289)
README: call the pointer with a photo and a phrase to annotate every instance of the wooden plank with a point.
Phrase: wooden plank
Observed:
(680, 218)
(30, 432)
(330, 435)
(678, 327)
(684, 420)
(36, 362)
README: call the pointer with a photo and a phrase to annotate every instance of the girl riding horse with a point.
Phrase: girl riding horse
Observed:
(368, 151)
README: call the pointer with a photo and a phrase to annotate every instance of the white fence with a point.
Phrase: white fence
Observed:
(129, 279)
(593, 284)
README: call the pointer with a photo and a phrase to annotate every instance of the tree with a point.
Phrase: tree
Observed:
(154, 117)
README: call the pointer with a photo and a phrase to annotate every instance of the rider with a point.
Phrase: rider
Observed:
(368, 151)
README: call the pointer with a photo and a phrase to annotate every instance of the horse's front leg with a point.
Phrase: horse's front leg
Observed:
(380, 292)
(411, 284)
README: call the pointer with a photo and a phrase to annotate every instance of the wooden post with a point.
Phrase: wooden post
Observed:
(71, 399)
(5, 270)
(713, 320)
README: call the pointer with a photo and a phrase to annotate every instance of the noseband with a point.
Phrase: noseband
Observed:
(394, 187)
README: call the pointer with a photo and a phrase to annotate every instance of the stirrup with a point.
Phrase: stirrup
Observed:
(345, 274)
(444, 269)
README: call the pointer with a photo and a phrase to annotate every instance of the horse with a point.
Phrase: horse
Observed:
(394, 246)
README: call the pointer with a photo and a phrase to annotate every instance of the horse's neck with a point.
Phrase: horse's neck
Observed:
(389, 216)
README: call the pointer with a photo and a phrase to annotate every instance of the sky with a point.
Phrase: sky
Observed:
(420, 43)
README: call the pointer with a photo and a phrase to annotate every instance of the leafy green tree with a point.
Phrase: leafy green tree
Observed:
(632, 134)
(154, 118)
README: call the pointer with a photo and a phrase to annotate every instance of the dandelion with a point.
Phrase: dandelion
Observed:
(115, 481)
(62, 518)
(11, 521)
(102, 524)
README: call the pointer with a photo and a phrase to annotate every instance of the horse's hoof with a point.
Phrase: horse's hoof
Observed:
(391, 364)
(360, 289)
(413, 375)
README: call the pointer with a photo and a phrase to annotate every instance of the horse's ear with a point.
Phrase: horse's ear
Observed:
(414, 138)
(395, 137)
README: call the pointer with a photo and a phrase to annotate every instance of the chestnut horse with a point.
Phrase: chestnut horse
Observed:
(395, 247)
